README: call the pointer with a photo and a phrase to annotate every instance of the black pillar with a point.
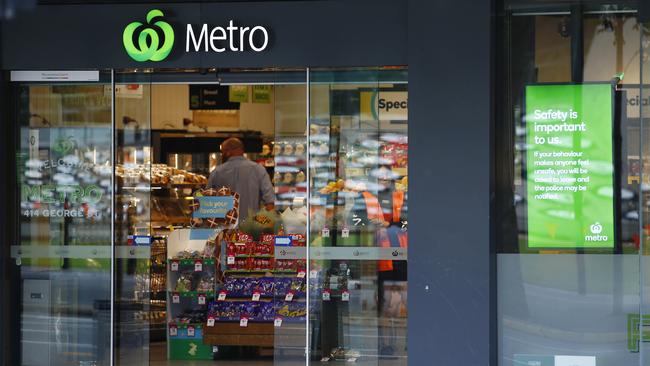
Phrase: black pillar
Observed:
(451, 264)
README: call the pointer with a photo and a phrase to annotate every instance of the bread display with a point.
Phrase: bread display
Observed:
(157, 175)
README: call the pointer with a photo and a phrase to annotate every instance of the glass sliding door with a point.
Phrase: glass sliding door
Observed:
(60, 218)
(139, 297)
(358, 238)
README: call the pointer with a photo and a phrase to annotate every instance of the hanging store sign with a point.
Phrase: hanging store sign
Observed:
(262, 94)
(238, 93)
(155, 39)
(570, 166)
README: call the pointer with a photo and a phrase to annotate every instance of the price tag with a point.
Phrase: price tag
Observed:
(326, 232)
(210, 322)
(289, 296)
(222, 296)
(345, 296)
(173, 331)
(301, 273)
(277, 322)
(190, 331)
(174, 266)
(198, 266)
(313, 273)
(230, 259)
(176, 298)
(326, 296)
(201, 299)
(345, 233)
(256, 296)
(243, 322)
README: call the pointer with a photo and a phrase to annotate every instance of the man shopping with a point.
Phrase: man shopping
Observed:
(243, 176)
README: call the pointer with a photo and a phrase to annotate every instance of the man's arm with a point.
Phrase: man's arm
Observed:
(266, 189)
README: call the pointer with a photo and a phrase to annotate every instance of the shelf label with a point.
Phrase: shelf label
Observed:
(301, 273)
(201, 299)
(326, 232)
(176, 298)
(174, 266)
(243, 322)
(198, 266)
(282, 241)
(222, 296)
(277, 322)
(326, 295)
(173, 331)
(190, 331)
(230, 260)
(289, 296)
(345, 296)
(210, 321)
(256, 296)
(345, 233)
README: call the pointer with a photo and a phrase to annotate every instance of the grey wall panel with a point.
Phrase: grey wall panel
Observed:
(450, 261)
(310, 33)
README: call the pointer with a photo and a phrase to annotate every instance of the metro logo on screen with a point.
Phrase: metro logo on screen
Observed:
(569, 166)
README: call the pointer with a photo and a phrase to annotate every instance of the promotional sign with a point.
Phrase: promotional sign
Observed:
(213, 207)
(384, 105)
(570, 166)
(262, 94)
(238, 93)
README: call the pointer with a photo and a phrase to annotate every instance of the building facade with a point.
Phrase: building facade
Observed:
(114, 110)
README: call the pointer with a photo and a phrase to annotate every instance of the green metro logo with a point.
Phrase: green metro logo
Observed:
(63, 145)
(149, 47)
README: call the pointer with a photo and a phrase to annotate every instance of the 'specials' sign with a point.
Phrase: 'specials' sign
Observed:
(569, 166)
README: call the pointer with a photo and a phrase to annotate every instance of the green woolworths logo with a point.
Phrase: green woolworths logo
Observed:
(149, 47)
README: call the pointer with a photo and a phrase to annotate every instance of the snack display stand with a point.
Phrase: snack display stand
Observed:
(260, 296)
(190, 278)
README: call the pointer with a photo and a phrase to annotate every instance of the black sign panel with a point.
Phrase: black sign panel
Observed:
(210, 97)
(69, 37)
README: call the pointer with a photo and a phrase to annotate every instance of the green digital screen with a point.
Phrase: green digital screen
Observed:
(570, 166)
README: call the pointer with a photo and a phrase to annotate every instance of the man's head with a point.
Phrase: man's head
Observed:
(232, 147)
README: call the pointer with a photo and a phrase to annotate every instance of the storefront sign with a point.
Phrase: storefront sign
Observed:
(154, 40)
(213, 207)
(570, 175)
